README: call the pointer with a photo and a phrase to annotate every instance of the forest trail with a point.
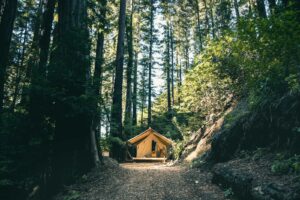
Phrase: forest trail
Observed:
(145, 181)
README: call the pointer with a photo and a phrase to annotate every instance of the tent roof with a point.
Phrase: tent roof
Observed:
(144, 134)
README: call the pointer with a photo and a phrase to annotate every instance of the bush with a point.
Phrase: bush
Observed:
(285, 166)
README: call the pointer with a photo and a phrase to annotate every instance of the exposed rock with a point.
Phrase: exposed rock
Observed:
(240, 183)
(253, 180)
(273, 125)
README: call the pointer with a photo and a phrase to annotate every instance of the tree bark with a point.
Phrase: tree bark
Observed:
(179, 76)
(116, 112)
(68, 71)
(236, 8)
(168, 68)
(36, 72)
(45, 38)
(128, 106)
(32, 64)
(272, 5)
(134, 95)
(97, 86)
(212, 20)
(261, 9)
(6, 28)
(199, 25)
(150, 64)
(207, 26)
(172, 65)
(143, 96)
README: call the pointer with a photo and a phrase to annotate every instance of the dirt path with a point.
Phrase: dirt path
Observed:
(147, 181)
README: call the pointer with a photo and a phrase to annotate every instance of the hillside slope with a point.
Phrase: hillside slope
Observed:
(254, 152)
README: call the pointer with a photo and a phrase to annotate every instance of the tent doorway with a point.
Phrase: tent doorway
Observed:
(153, 149)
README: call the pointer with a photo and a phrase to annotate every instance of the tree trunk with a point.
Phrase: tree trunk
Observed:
(272, 5)
(150, 65)
(143, 94)
(207, 27)
(45, 38)
(6, 28)
(97, 86)
(128, 106)
(116, 112)
(261, 9)
(212, 21)
(134, 95)
(187, 58)
(168, 68)
(36, 71)
(179, 75)
(236, 8)
(251, 7)
(32, 64)
(199, 33)
(172, 65)
(68, 71)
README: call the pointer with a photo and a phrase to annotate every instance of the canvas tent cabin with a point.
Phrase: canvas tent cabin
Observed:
(150, 145)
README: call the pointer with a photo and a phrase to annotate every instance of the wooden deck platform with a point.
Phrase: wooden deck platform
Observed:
(149, 159)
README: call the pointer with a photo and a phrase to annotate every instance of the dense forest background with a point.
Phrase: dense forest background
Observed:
(78, 76)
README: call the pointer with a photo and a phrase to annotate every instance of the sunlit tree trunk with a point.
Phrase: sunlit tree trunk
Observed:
(213, 28)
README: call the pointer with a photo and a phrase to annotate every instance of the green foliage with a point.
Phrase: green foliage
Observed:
(163, 124)
(260, 61)
(280, 167)
(104, 144)
(261, 58)
(21, 152)
(203, 90)
(72, 195)
(228, 193)
(283, 165)
(117, 141)
(177, 149)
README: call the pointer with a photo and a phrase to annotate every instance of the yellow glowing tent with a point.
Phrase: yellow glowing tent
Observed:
(151, 145)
